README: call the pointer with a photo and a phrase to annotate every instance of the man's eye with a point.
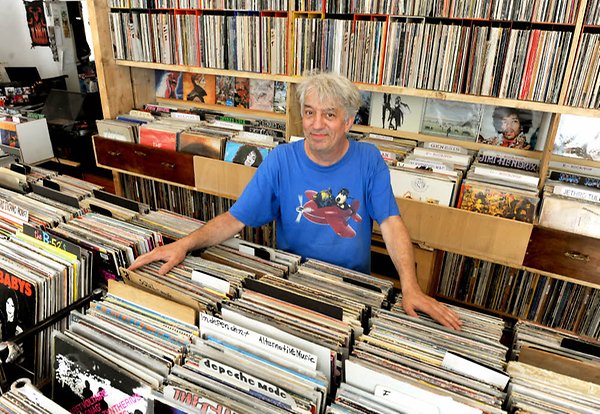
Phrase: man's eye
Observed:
(330, 115)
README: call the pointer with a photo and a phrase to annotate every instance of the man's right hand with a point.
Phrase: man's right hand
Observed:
(172, 254)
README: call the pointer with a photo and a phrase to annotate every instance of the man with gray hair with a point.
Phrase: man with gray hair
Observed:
(323, 193)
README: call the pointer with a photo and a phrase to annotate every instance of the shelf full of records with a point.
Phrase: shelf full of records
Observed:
(522, 294)
(420, 51)
(199, 39)
(187, 202)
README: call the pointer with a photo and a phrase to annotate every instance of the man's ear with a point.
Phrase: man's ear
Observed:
(349, 123)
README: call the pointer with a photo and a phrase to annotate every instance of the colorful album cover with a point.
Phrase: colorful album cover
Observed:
(246, 154)
(362, 116)
(211, 147)
(225, 90)
(157, 138)
(168, 84)
(198, 87)
(262, 92)
(578, 137)
(451, 119)
(85, 382)
(280, 97)
(8, 134)
(242, 92)
(498, 201)
(511, 128)
(18, 310)
(400, 113)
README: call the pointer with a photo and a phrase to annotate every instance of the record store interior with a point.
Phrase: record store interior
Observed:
(292, 206)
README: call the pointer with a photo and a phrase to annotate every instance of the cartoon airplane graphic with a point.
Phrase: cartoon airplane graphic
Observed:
(333, 215)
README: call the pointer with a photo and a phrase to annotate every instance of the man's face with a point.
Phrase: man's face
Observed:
(324, 128)
(250, 158)
(10, 309)
(510, 127)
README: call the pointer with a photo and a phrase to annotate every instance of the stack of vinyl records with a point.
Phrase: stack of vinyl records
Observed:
(171, 225)
(536, 390)
(251, 367)
(354, 292)
(571, 200)
(36, 281)
(24, 398)
(289, 260)
(108, 208)
(502, 184)
(431, 173)
(196, 289)
(71, 186)
(19, 209)
(339, 273)
(112, 357)
(556, 350)
(249, 262)
(113, 243)
(415, 361)
(301, 315)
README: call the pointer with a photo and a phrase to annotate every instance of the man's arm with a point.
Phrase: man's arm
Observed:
(399, 247)
(221, 228)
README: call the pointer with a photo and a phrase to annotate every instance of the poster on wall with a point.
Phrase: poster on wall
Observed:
(36, 21)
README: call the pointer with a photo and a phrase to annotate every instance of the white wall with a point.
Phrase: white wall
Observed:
(16, 50)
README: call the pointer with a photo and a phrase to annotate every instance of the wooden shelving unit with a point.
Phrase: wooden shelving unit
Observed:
(127, 84)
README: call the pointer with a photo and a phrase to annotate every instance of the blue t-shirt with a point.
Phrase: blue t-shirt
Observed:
(325, 213)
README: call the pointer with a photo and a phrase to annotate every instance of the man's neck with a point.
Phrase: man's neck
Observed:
(326, 159)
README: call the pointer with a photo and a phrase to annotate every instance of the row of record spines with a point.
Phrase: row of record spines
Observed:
(190, 203)
(518, 64)
(270, 5)
(592, 15)
(584, 88)
(546, 11)
(522, 294)
(496, 61)
(215, 41)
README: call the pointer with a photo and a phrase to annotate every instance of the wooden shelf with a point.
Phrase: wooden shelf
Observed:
(208, 71)
(452, 141)
(484, 100)
(490, 238)
(221, 178)
(223, 108)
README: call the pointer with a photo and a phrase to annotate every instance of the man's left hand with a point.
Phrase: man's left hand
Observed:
(418, 301)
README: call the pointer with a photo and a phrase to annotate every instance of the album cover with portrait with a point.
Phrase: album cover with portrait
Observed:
(396, 112)
(199, 87)
(513, 127)
(250, 155)
(168, 84)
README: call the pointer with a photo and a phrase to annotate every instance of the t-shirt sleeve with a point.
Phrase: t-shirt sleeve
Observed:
(381, 201)
(259, 203)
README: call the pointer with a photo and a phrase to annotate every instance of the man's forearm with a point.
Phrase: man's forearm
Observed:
(399, 247)
(219, 229)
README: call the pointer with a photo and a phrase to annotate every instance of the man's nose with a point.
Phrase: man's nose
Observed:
(318, 121)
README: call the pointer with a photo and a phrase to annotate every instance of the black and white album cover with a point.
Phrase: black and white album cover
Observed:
(396, 112)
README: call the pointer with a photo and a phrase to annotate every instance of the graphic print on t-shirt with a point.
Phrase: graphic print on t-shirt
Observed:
(323, 207)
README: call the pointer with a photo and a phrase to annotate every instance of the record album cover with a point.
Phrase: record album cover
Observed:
(451, 119)
(246, 154)
(168, 84)
(262, 92)
(199, 87)
(86, 382)
(511, 128)
(400, 113)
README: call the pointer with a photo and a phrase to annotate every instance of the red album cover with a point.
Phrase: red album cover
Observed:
(158, 138)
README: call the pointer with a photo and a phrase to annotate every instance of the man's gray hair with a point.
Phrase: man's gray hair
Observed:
(330, 87)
